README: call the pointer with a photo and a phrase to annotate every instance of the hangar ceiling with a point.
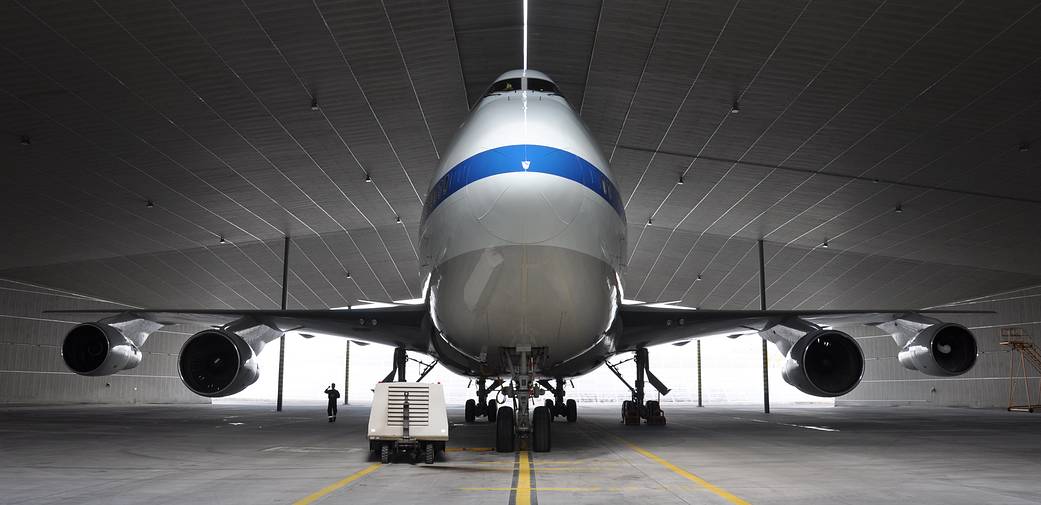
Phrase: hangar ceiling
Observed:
(847, 111)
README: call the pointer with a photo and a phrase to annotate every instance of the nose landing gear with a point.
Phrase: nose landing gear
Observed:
(634, 410)
(514, 423)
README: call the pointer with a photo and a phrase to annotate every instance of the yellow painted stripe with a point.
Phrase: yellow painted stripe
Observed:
(561, 489)
(315, 496)
(718, 491)
(524, 480)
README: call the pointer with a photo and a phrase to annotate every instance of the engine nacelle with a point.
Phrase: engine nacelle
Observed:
(941, 350)
(98, 349)
(824, 363)
(215, 363)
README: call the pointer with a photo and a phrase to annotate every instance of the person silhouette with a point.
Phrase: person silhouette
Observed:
(333, 394)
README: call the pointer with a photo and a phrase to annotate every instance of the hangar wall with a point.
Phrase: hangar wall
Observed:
(887, 383)
(32, 371)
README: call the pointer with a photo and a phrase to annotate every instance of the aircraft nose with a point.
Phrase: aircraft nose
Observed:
(525, 207)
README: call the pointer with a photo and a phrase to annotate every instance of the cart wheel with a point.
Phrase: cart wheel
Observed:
(430, 453)
(493, 408)
(385, 454)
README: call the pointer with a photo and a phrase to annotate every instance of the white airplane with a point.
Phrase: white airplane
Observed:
(522, 239)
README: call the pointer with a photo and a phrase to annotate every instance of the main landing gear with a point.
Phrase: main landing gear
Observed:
(558, 407)
(634, 410)
(482, 407)
(517, 421)
(397, 372)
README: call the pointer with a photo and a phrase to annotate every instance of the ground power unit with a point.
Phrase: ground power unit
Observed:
(408, 419)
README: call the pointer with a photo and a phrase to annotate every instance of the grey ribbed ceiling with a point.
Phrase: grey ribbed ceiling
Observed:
(846, 111)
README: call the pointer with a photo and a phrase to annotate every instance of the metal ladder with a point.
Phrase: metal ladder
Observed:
(1028, 353)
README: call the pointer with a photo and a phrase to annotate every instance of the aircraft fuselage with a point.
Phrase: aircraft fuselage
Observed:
(522, 236)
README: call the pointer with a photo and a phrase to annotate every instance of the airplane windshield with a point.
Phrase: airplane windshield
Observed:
(540, 85)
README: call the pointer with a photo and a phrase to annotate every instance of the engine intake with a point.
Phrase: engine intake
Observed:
(824, 363)
(96, 349)
(216, 363)
(941, 350)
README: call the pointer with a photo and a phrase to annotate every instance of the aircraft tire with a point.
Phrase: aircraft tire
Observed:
(504, 430)
(572, 411)
(469, 411)
(541, 425)
(493, 407)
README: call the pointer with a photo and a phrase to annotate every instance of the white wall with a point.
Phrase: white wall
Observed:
(32, 371)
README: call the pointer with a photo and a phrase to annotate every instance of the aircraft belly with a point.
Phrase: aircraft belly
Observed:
(518, 295)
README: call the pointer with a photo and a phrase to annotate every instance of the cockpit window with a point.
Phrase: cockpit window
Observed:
(507, 85)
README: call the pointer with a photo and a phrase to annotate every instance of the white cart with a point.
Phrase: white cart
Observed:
(408, 418)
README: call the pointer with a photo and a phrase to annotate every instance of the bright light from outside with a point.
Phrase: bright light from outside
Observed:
(731, 371)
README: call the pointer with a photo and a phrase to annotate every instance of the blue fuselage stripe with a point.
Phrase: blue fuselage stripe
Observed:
(540, 159)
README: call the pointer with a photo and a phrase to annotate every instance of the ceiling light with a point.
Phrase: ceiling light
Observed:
(149, 204)
(899, 208)
(1024, 147)
(25, 141)
(735, 108)
(680, 182)
(367, 178)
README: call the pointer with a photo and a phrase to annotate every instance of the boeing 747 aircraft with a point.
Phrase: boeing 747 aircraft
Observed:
(523, 236)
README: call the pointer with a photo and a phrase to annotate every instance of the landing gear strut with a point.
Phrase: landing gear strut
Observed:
(635, 409)
(397, 372)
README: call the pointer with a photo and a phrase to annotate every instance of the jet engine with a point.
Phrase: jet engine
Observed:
(215, 363)
(941, 350)
(98, 349)
(824, 363)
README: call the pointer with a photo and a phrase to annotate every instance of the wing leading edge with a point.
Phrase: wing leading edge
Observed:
(644, 326)
(399, 326)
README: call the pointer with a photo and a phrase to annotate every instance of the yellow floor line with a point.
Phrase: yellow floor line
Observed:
(313, 497)
(718, 491)
(560, 489)
(523, 480)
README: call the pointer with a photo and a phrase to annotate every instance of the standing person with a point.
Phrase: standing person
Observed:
(333, 394)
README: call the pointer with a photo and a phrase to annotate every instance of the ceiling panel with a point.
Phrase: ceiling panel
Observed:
(847, 112)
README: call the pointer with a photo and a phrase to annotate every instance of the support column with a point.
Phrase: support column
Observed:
(699, 374)
(347, 374)
(282, 339)
(762, 306)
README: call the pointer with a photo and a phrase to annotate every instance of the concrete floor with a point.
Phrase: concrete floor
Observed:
(248, 454)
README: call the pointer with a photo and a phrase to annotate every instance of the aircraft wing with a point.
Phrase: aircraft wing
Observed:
(398, 326)
(644, 326)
